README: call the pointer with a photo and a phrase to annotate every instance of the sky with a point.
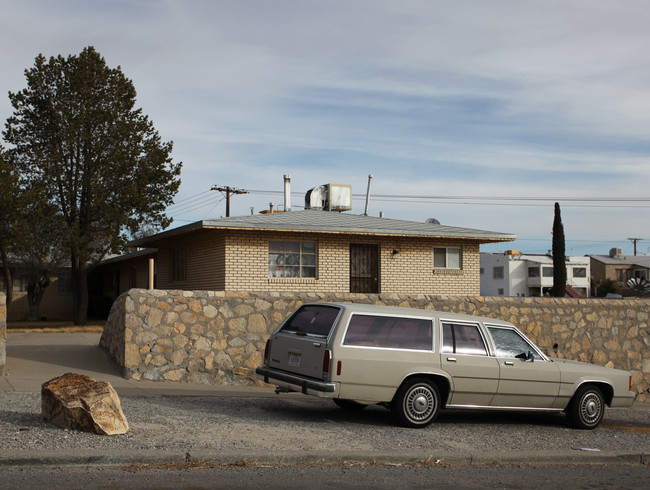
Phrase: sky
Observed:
(480, 114)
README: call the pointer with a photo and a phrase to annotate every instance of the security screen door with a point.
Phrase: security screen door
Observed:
(364, 268)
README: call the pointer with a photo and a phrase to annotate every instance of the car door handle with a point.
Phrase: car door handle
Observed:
(451, 359)
(509, 363)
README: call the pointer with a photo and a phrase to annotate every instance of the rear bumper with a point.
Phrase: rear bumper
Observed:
(296, 382)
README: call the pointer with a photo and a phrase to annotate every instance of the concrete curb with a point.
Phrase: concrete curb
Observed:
(130, 458)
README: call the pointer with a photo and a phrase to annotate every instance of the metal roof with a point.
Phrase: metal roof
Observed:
(639, 260)
(318, 221)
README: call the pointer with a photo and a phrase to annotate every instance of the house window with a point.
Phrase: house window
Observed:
(533, 272)
(64, 283)
(179, 265)
(500, 292)
(580, 272)
(19, 284)
(446, 258)
(133, 277)
(292, 259)
(547, 271)
(497, 272)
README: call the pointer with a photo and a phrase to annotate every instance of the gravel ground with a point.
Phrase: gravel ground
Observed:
(310, 425)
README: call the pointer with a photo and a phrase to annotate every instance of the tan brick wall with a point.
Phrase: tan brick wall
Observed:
(244, 266)
(409, 271)
(205, 262)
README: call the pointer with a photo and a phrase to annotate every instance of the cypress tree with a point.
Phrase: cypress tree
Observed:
(559, 255)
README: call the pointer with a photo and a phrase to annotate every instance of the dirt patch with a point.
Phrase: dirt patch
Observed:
(54, 327)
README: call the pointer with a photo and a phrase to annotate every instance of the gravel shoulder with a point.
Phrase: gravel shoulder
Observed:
(248, 428)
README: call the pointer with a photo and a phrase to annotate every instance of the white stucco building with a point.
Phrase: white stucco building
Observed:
(515, 274)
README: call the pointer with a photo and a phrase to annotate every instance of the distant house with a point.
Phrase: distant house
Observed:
(515, 274)
(618, 267)
(57, 299)
(311, 250)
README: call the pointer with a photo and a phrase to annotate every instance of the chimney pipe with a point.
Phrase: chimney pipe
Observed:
(368, 195)
(287, 192)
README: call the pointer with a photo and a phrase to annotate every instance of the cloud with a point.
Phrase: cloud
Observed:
(536, 98)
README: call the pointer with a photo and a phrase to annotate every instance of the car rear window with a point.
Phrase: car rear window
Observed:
(315, 320)
(389, 332)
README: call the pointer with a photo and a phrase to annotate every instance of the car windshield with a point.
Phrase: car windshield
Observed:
(315, 320)
(510, 343)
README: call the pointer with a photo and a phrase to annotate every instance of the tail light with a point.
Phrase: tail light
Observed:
(327, 361)
(267, 350)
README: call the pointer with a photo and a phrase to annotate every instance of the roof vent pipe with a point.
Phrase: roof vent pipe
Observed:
(287, 192)
(368, 196)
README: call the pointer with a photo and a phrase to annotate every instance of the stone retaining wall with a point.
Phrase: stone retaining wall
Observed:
(3, 332)
(219, 337)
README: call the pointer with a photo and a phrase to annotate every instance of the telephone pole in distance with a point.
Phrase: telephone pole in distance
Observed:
(228, 190)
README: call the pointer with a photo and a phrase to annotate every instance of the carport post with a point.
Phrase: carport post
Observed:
(151, 274)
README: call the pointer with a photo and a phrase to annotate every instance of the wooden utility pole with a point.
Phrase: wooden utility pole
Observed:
(634, 240)
(228, 190)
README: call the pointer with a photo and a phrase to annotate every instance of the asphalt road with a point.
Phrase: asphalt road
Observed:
(376, 477)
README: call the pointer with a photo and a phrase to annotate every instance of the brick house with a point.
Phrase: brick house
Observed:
(619, 268)
(57, 300)
(312, 250)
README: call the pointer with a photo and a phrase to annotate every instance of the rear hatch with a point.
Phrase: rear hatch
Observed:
(300, 346)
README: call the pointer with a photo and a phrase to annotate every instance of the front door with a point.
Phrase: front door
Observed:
(364, 269)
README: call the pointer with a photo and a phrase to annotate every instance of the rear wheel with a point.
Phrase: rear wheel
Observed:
(587, 407)
(349, 404)
(416, 403)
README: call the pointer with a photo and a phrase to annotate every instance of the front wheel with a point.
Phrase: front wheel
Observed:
(586, 409)
(416, 403)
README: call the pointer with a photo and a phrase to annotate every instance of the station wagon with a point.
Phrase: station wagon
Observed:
(416, 362)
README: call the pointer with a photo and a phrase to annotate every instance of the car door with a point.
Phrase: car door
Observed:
(526, 378)
(464, 355)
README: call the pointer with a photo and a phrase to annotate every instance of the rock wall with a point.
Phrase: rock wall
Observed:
(219, 337)
(3, 332)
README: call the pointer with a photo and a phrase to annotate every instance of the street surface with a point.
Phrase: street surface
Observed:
(340, 476)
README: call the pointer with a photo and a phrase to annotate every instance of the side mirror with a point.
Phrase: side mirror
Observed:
(526, 356)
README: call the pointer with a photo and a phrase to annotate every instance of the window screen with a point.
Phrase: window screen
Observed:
(389, 332)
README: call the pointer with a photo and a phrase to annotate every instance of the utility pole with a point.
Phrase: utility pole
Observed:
(634, 240)
(228, 190)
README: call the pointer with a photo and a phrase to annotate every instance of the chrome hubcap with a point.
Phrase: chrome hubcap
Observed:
(420, 404)
(591, 407)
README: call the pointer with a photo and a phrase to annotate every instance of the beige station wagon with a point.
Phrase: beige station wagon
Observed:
(415, 362)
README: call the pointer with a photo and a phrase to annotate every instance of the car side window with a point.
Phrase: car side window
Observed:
(460, 338)
(389, 332)
(510, 343)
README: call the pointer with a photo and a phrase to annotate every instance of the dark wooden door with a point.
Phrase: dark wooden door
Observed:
(364, 269)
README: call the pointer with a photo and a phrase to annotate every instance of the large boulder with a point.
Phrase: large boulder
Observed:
(75, 401)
